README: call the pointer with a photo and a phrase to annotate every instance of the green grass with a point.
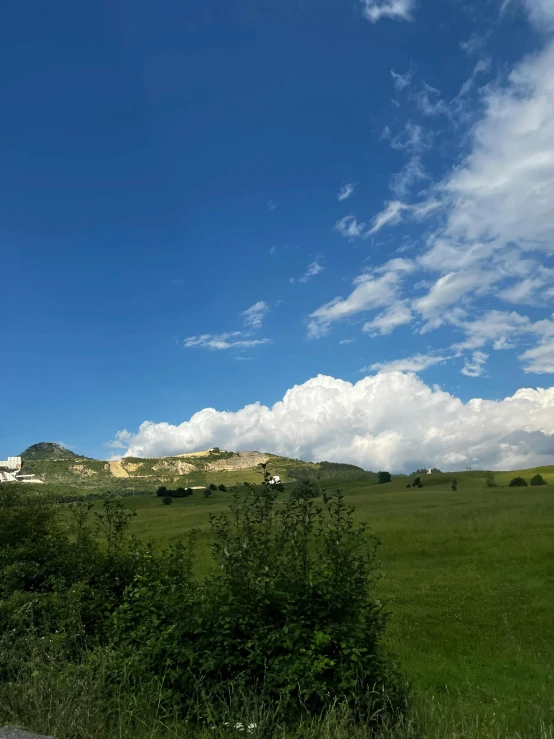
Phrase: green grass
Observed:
(468, 576)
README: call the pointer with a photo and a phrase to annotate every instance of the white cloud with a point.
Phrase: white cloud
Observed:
(398, 10)
(346, 341)
(497, 327)
(229, 340)
(384, 323)
(412, 172)
(540, 359)
(541, 12)
(254, 316)
(349, 227)
(312, 269)
(474, 367)
(345, 192)
(451, 288)
(271, 204)
(416, 363)
(401, 80)
(375, 289)
(388, 421)
(395, 210)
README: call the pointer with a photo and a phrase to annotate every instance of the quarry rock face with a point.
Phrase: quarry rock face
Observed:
(242, 461)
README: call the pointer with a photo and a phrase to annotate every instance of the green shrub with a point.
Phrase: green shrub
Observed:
(291, 617)
(417, 482)
(167, 500)
(161, 491)
(518, 482)
(212, 486)
(489, 480)
(384, 477)
(222, 488)
(538, 480)
(306, 489)
(207, 492)
(454, 484)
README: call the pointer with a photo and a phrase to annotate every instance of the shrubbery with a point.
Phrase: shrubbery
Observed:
(163, 492)
(384, 477)
(518, 482)
(291, 618)
(538, 480)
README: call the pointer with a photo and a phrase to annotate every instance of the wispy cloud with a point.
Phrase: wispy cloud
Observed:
(271, 204)
(398, 10)
(346, 191)
(346, 341)
(395, 210)
(416, 363)
(474, 367)
(254, 316)
(401, 80)
(314, 268)
(217, 342)
(349, 227)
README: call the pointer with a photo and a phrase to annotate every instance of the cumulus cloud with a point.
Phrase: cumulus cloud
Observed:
(398, 10)
(345, 192)
(254, 316)
(390, 421)
(229, 340)
(541, 12)
(540, 359)
(416, 363)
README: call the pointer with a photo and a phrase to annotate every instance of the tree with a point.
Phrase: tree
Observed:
(408, 485)
(188, 491)
(212, 486)
(167, 500)
(162, 491)
(518, 482)
(489, 480)
(208, 492)
(384, 477)
(538, 480)
(417, 482)
(454, 484)
(305, 489)
(222, 488)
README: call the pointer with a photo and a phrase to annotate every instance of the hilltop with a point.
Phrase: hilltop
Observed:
(58, 466)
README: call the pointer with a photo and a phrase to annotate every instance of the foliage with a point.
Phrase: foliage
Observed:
(454, 484)
(489, 480)
(161, 492)
(207, 492)
(329, 470)
(424, 470)
(212, 486)
(538, 480)
(291, 616)
(417, 482)
(167, 500)
(222, 488)
(45, 450)
(384, 477)
(518, 482)
(305, 489)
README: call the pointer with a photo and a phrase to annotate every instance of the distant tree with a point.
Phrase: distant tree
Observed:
(417, 482)
(208, 492)
(384, 477)
(180, 493)
(408, 485)
(306, 489)
(538, 480)
(454, 484)
(246, 483)
(188, 491)
(489, 480)
(162, 491)
(222, 488)
(518, 482)
(216, 449)
(167, 500)
(212, 486)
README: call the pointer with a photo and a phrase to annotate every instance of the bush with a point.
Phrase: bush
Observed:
(518, 482)
(489, 480)
(538, 480)
(167, 500)
(212, 486)
(222, 488)
(454, 484)
(408, 485)
(384, 477)
(417, 482)
(207, 492)
(162, 491)
(291, 618)
(305, 489)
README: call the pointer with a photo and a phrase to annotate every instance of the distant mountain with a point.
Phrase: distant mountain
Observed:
(47, 451)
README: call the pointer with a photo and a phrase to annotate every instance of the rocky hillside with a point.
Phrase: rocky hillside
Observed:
(58, 466)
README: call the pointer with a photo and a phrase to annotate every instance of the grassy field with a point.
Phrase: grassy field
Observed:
(469, 577)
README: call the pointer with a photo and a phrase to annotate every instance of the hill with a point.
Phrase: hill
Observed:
(58, 466)
(47, 450)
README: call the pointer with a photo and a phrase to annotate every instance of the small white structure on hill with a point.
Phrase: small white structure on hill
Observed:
(275, 480)
(429, 471)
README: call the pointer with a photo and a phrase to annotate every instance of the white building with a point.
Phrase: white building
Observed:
(275, 480)
(11, 463)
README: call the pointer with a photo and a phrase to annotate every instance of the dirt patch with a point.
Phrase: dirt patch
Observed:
(173, 467)
(132, 466)
(196, 454)
(242, 461)
(80, 469)
(116, 469)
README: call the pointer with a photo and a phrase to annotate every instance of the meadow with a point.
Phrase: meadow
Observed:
(466, 574)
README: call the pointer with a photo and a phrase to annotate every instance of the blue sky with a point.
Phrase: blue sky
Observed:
(342, 208)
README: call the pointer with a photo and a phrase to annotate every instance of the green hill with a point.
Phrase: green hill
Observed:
(47, 450)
